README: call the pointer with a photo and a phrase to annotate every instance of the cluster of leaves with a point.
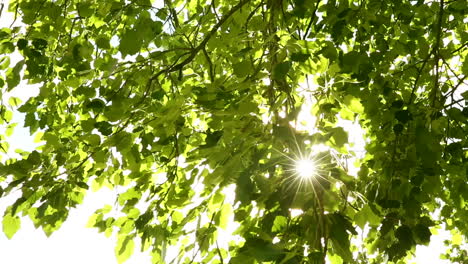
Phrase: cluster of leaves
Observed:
(180, 102)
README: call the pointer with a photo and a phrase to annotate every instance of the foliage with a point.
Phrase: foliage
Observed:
(183, 102)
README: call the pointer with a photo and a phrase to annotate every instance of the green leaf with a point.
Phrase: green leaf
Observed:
(97, 105)
(422, 234)
(174, 105)
(339, 136)
(281, 70)
(14, 101)
(52, 140)
(403, 116)
(104, 127)
(13, 75)
(124, 248)
(339, 236)
(82, 185)
(11, 224)
(366, 215)
(457, 239)
(39, 43)
(21, 44)
(7, 47)
(244, 188)
(123, 141)
(300, 57)
(279, 223)
(92, 139)
(38, 137)
(456, 114)
(113, 113)
(10, 129)
(335, 259)
(130, 43)
(242, 69)
(85, 9)
(350, 61)
(224, 216)
(353, 104)
(103, 43)
(405, 236)
(262, 250)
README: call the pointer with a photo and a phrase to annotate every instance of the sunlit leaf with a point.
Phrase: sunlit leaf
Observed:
(11, 224)
(124, 248)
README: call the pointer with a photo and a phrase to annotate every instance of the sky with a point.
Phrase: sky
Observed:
(74, 243)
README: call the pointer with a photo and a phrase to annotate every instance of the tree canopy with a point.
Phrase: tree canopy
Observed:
(191, 110)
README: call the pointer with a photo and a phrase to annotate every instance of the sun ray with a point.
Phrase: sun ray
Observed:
(306, 168)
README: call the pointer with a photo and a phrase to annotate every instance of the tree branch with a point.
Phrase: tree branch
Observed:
(312, 18)
(203, 43)
(433, 95)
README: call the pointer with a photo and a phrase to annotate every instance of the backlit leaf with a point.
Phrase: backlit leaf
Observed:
(11, 224)
(124, 248)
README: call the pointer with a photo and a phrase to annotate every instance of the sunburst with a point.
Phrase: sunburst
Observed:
(306, 168)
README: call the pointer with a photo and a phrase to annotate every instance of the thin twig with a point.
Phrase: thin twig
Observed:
(173, 14)
(415, 85)
(464, 45)
(219, 253)
(203, 43)
(312, 18)
(210, 65)
(16, 15)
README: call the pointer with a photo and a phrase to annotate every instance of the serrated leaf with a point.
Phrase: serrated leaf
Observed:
(404, 235)
(423, 234)
(353, 104)
(11, 224)
(114, 113)
(92, 139)
(339, 136)
(366, 215)
(339, 236)
(13, 76)
(130, 43)
(52, 139)
(38, 137)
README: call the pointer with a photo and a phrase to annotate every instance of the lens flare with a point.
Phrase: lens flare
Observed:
(306, 168)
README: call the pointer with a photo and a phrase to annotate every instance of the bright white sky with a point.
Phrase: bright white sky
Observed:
(76, 244)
